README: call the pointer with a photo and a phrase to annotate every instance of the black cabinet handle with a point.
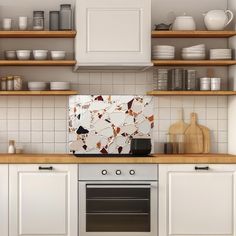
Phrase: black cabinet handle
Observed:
(45, 168)
(202, 168)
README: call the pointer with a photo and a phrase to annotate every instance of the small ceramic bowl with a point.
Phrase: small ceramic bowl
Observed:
(58, 55)
(10, 55)
(37, 86)
(23, 54)
(40, 54)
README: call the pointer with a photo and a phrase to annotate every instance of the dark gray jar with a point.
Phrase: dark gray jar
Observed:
(38, 20)
(54, 20)
(65, 17)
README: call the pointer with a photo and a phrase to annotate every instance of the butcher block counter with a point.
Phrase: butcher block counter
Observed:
(155, 158)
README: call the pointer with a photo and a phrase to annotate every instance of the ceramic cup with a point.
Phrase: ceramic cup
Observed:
(23, 22)
(7, 23)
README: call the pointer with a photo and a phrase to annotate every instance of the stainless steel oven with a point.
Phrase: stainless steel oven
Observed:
(118, 200)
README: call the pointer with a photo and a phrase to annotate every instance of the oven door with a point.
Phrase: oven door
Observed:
(118, 208)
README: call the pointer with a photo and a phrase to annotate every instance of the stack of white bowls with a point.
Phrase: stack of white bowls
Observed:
(60, 86)
(221, 54)
(163, 52)
(197, 52)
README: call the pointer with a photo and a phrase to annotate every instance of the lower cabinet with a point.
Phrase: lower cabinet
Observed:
(3, 200)
(43, 200)
(197, 200)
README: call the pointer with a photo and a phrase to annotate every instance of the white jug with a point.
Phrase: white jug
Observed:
(218, 19)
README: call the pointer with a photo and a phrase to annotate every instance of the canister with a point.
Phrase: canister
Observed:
(65, 17)
(215, 83)
(205, 84)
(54, 20)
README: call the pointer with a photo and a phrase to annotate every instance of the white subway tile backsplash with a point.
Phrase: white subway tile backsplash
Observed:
(37, 148)
(212, 113)
(13, 101)
(24, 113)
(3, 101)
(3, 113)
(60, 148)
(12, 113)
(3, 125)
(25, 101)
(60, 113)
(48, 137)
(13, 135)
(61, 101)
(48, 113)
(48, 147)
(24, 137)
(25, 125)
(163, 102)
(37, 101)
(48, 101)
(36, 137)
(36, 113)
(164, 114)
(176, 101)
(36, 125)
(60, 125)
(60, 136)
(12, 125)
(211, 101)
(48, 125)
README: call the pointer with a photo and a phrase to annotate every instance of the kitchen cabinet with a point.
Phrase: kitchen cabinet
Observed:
(43, 200)
(3, 200)
(113, 33)
(197, 200)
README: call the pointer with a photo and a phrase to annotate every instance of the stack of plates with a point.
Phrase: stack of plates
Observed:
(163, 52)
(60, 86)
(197, 52)
(221, 54)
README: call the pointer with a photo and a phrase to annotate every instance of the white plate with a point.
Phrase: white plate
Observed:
(193, 57)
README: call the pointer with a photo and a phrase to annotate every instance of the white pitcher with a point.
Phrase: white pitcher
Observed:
(218, 19)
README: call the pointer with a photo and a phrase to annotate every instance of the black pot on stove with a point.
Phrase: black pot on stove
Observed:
(141, 146)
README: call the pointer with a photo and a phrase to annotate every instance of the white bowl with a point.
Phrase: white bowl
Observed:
(10, 55)
(23, 54)
(37, 86)
(58, 55)
(40, 54)
(60, 86)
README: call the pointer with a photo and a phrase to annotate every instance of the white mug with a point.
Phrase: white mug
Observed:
(6, 23)
(23, 22)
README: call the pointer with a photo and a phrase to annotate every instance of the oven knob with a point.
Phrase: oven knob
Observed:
(132, 172)
(104, 172)
(118, 172)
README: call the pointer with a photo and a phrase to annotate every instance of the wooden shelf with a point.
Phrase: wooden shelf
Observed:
(191, 93)
(37, 63)
(37, 34)
(194, 62)
(38, 93)
(193, 34)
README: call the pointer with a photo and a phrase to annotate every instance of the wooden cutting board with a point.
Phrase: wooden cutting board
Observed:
(194, 139)
(178, 127)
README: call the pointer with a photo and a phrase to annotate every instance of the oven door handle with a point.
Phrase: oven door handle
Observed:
(118, 186)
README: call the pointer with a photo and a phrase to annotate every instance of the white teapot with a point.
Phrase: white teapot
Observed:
(218, 19)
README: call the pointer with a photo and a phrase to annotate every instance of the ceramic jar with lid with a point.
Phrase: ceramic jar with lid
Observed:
(4, 84)
(215, 84)
(38, 20)
(10, 83)
(65, 17)
(18, 83)
(184, 23)
(205, 84)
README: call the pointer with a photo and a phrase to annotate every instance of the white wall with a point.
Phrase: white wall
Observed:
(212, 111)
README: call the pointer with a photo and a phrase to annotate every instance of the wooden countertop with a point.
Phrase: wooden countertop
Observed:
(155, 159)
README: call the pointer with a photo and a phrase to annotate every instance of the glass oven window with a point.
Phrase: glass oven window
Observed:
(118, 208)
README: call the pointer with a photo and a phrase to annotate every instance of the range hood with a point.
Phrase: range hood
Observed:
(107, 67)
(113, 35)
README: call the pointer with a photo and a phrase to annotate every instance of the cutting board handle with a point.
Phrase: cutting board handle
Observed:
(193, 118)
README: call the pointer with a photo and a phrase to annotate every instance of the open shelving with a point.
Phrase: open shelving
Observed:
(37, 63)
(191, 93)
(37, 34)
(193, 34)
(39, 93)
(194, 62)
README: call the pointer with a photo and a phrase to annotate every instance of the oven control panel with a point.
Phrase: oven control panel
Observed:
(118, 172)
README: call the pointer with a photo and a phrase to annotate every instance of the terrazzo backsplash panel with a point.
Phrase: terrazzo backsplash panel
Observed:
(105, 123)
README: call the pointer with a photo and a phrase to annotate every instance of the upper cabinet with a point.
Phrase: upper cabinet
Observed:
(113, 33)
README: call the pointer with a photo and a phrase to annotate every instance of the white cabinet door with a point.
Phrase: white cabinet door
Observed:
(197, 202)
(113, 31)
(43, 201)
(3, 200)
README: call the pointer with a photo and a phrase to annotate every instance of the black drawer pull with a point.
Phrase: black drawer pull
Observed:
(202, 168)
(45, 168)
